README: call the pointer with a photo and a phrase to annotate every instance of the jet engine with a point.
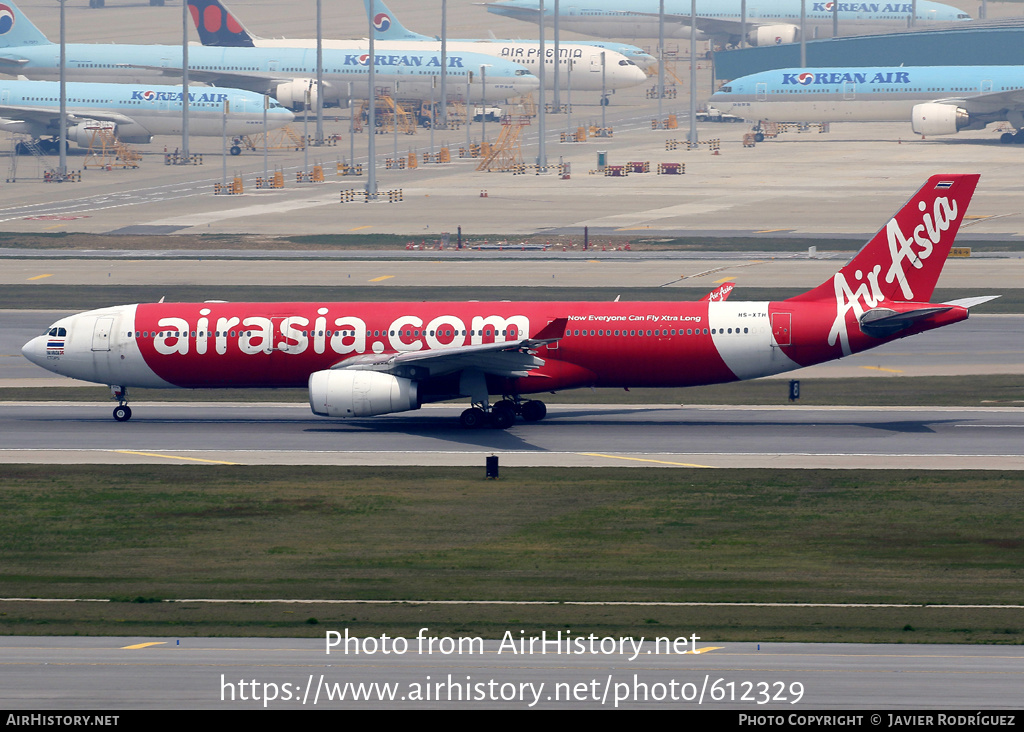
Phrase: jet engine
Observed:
(938, 119)
(773, 35)
(292, 94)
(344, 393)
(85, 134)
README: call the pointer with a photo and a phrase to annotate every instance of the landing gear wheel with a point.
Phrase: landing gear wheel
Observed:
(758, 137)
(122, 413)
(502, 419)
(533, 410)
(236, 150)
(1006, 138)
(473, 418)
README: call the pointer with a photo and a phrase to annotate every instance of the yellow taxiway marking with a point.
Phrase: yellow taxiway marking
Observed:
(174, 457)
(879, 368)
(368, 226)
(55, 226)
(143, 645)
(594, 261)
(39, 277)
(633, 228)
(770, 231)
(724, 279)
(381, 279)
(643, 460)
(698, 651)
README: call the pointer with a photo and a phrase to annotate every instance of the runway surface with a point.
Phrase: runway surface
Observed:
(788, 678)
(579, 435)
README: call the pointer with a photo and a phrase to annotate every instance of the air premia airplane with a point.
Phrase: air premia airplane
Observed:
(217, 26)
(938, 100)
(361, 359)
(134, 112)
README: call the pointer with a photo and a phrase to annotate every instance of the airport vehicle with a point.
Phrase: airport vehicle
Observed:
(284, 73)
(713, 114)
(134, 113)
(218, 27)
(769, 22)
(937, 100)
(365, 359)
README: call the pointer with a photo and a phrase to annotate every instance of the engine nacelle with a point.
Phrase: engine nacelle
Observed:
(344, 393)
(292, 94)
(773, 35)
(87, 134)
(938, 119)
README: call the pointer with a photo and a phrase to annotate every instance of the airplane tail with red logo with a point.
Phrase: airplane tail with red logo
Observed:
(217, 26)
(903, 261)
(18, 30)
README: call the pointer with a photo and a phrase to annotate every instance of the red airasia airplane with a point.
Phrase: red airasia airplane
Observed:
(365, 359)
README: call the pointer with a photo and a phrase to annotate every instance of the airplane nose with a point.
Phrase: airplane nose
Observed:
(35, 351)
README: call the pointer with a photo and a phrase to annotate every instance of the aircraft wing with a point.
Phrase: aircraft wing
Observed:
(708, 26)
(7, 62)
(254, 82)
(988, 102)
(510, 359)
(48, 116)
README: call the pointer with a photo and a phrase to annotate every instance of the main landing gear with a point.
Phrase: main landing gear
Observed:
(122, 412)
(502, 415)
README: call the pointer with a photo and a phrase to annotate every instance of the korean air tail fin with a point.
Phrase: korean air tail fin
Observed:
(217, 26)
(903, 261)
(18, 30)
(386, 26)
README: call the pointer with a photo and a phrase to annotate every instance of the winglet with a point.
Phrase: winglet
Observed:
(550, 333)
(720, 293)
(970, 302)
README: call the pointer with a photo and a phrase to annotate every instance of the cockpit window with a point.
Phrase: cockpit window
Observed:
(522, 72)
(726, 89)
(59, 332)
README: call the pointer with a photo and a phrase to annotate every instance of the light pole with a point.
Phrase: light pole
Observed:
(483, 103)
(62, 143)
(693, 72)
(319, 76)
(444, 66)
(604, 101)
(542, 154)
(184, 79)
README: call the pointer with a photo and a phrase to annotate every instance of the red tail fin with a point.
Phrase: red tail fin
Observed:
(902, 262)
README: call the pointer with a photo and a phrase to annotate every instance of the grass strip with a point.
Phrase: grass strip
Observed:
(153, 533)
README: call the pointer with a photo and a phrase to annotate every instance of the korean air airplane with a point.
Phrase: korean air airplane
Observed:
(769, 22)
(217, 26)
(283, 73)
(937, 100)
(133, 111)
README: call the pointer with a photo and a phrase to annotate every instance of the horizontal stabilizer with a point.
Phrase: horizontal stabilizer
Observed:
(970, 302)
(882, 322)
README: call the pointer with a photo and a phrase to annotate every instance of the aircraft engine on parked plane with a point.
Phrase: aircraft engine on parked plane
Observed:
(292, 94)
(342, 393)
(88, 134)
(939, 119)
(773, 35)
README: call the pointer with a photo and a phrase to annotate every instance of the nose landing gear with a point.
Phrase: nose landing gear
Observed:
(122, 412)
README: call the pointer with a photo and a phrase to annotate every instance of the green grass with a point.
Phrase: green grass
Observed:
(156, 532)
(936, 391)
